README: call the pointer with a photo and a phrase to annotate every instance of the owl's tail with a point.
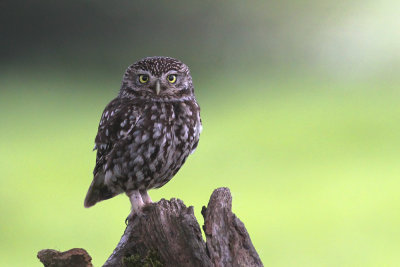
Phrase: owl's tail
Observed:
(98, 191)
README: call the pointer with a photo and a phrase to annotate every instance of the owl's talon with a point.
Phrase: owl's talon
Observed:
(130, 217)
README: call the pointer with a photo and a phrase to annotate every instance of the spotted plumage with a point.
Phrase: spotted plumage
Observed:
(146, 133)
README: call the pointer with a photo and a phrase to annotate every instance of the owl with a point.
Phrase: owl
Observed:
(146, 133)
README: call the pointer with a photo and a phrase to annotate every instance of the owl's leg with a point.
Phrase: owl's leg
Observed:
(145, 196)
(136, 201)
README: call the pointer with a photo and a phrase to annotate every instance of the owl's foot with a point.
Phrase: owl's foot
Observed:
(137, 204)
(145, 197)
(138, 200)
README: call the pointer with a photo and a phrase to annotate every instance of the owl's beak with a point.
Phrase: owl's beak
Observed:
(158, 87)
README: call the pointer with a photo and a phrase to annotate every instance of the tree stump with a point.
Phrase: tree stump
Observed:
(168, 234)
(76, 257)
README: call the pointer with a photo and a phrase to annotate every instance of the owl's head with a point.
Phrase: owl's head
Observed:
(157, 79)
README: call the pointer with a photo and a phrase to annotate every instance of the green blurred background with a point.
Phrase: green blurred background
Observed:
(300, 105)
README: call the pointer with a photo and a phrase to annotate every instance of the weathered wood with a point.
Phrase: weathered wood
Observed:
(76, 257)
(228, 242)
(168, 234)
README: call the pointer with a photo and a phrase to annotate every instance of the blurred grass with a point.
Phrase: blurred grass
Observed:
(312, 166)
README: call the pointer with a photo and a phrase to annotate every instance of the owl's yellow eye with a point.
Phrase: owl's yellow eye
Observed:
(171, 78)
(143, 78)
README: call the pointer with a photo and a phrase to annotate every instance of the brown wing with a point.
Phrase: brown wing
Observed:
(117, 121)
(118, 117)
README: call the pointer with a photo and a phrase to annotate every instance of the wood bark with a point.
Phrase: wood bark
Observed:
(168, 234)
(76, 257)
(228, 242)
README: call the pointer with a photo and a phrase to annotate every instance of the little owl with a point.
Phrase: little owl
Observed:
(145, 133)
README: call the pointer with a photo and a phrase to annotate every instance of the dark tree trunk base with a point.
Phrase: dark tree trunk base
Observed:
(168, 234)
